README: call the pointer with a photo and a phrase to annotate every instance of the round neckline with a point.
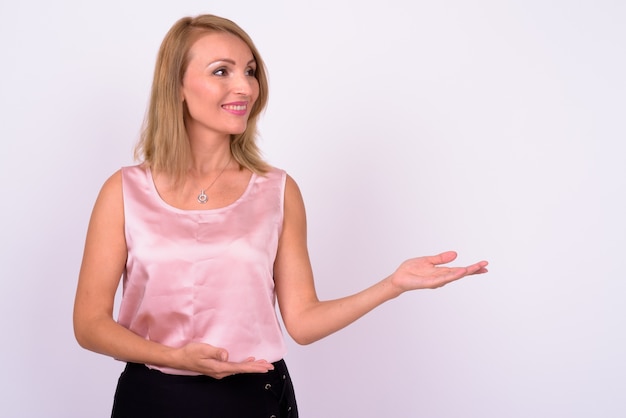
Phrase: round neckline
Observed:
(166, 205)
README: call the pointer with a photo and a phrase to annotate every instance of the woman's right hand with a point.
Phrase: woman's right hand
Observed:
(213, 361)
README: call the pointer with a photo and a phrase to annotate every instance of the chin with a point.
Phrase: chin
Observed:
(238, 131)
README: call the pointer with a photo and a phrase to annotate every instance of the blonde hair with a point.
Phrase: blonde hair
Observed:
(164, 144)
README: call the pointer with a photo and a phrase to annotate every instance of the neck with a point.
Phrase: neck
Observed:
(209, 157)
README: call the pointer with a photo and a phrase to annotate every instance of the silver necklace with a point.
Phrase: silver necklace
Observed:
(202, 197)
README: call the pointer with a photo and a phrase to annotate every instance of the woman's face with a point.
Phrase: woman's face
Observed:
(219, 86)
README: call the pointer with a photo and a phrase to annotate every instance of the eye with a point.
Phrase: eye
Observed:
(251, 72)
(220, 72)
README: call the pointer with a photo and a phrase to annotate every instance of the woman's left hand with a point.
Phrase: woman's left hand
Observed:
(428, 272)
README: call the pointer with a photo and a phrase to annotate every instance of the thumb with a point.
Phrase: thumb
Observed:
(215, 352)
(222, 354)
(444, 257)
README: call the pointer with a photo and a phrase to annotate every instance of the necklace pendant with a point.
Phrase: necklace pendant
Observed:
(202, 197)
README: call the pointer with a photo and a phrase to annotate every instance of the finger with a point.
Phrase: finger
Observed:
(477, 268)
(442, 258)
(211, 352)
(454, 274)
(220, 370)
(258, 366)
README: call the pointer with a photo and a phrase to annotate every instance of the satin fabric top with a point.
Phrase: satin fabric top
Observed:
(203, 275)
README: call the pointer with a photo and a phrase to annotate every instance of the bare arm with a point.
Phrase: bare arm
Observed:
(308, 319)
(104, 259)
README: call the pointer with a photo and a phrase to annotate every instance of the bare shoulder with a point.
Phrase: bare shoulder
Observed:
(294, 224)
(292, 191)
(105, 244)
(111, 191)
(109, 206)
(113, 185)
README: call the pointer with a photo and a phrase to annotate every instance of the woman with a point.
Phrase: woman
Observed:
(207, 236)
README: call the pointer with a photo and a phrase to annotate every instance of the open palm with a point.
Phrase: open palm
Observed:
(429, 273)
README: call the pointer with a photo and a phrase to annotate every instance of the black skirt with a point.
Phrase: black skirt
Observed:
(143, 392)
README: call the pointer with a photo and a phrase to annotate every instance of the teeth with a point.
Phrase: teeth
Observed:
(235, 107)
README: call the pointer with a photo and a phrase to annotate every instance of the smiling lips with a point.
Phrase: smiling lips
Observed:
(236, 108)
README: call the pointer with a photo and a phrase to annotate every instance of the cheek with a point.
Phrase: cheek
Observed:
(255, 89)
(199, 94)
(195, 86)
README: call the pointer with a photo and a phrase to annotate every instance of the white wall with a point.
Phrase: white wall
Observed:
(495, 128)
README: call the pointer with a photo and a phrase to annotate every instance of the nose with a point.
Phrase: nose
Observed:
(244, 84)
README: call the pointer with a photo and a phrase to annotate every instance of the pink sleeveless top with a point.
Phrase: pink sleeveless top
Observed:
(203, 275)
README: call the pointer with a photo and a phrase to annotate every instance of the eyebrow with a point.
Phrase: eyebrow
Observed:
(230, 61)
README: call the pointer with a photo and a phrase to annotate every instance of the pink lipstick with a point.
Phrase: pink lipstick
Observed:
(236, 108)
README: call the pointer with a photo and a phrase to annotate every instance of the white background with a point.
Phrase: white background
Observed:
(494, 128)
